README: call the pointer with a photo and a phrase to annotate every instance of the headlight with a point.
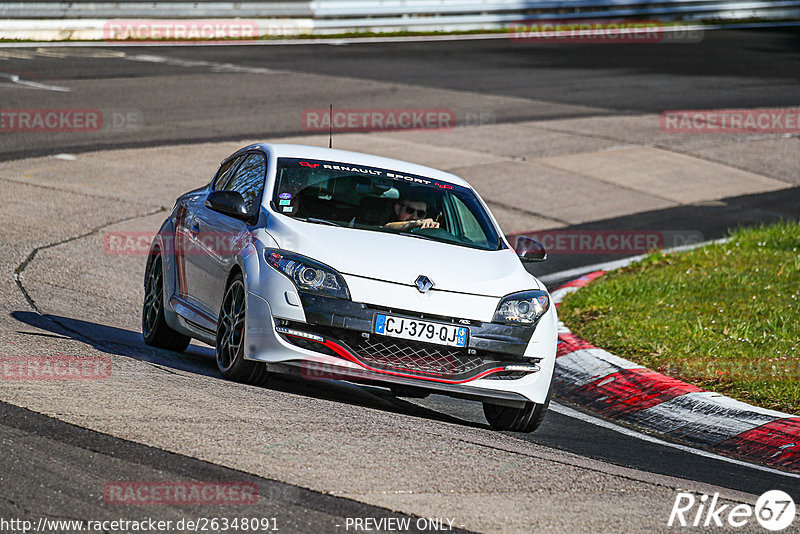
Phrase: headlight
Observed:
(308, 275)
(522, 308)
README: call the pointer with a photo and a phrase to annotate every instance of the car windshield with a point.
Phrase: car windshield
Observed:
(382, 200)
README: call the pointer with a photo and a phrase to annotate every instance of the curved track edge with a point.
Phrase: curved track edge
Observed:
(632, 394)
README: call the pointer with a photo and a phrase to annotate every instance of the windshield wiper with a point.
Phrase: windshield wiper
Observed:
(321, 221)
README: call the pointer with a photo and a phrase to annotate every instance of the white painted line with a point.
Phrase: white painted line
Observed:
(580, 271)
(213, 65)
(575, 414)
(558, 295)
(13, 78)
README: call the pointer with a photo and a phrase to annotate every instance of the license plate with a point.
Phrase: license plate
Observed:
(403, 327)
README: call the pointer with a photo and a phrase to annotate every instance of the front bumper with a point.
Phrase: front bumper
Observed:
(334, 339)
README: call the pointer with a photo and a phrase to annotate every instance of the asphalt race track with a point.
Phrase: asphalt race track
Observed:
(194, 94)
(266, 88)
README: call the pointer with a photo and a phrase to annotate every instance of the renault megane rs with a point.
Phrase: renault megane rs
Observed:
(335, 264)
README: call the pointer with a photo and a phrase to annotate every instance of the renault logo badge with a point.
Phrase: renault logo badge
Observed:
(423, 283)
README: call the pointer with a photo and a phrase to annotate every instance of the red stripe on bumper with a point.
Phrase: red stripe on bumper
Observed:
(347, 355)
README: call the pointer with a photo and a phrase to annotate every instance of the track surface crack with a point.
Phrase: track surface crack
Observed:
(27, 261)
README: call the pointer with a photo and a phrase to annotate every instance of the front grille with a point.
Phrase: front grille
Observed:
(407, 356)
(416, 357)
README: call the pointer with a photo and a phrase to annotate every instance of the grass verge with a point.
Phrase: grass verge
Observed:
(725, 317)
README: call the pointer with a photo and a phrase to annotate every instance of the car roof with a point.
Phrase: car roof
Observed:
(286, 150)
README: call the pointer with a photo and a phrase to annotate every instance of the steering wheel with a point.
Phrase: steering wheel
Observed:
(433, 232)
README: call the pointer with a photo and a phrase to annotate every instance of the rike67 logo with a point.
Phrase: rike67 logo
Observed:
(774, 511)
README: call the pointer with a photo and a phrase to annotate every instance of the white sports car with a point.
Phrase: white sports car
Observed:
(336, 264)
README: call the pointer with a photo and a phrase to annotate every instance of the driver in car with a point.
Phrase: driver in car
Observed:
(411, 213)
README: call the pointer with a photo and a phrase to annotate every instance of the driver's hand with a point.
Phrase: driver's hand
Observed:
(428, 223)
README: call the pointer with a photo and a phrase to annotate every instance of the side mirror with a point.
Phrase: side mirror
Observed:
(529, 250)
(230, 203)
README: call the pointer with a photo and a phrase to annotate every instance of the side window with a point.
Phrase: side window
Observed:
(224, 173)
(469, 224)
(249, 179)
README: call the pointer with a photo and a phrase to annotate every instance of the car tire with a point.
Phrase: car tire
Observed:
(155, 330)
(525, 419)
(230, 337)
